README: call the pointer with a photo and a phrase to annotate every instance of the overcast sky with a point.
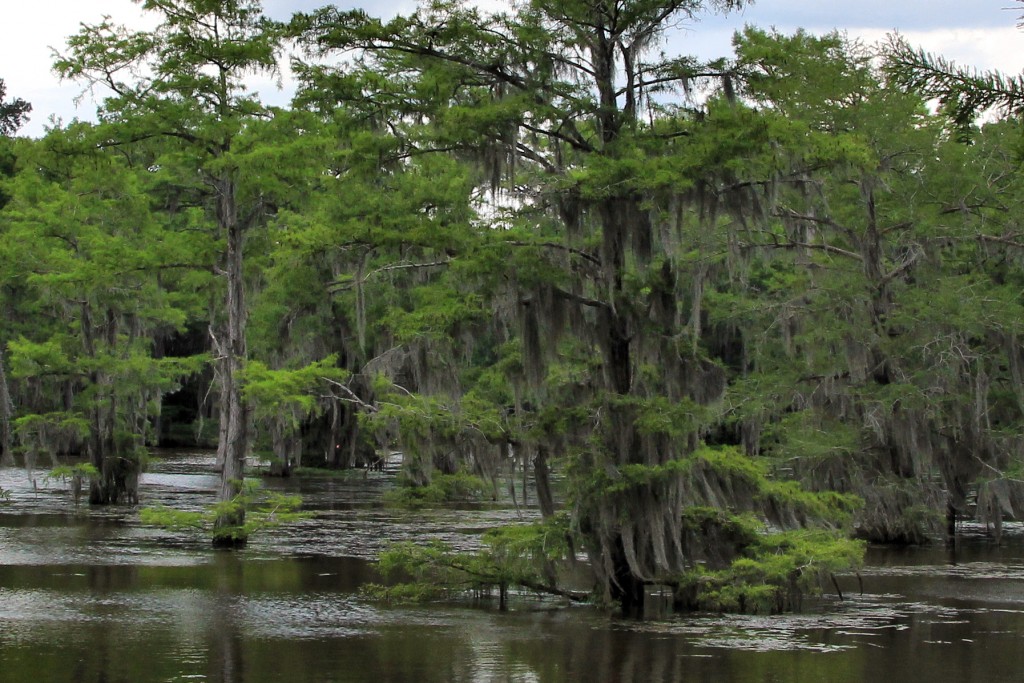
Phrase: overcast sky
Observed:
(979, 33)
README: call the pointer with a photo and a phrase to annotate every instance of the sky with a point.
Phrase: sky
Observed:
(978, 33)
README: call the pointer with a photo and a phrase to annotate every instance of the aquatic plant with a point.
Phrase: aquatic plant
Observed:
(443, 488)
(263, 509)
(76, 475)
(772, 574)
(523, 557)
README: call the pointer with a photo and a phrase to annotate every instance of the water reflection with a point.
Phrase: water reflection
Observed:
(88, 595)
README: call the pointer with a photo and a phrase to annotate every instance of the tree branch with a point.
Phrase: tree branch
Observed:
(339, 285)
(555, 245)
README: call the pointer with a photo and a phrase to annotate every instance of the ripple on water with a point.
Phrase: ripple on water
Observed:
(81, 561)
(308, 616)
(837, 627)
(967, 570)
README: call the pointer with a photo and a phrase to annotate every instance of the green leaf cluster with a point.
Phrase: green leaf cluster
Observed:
(460, 487)
(263, 509)
(773, 573)
(519, 556)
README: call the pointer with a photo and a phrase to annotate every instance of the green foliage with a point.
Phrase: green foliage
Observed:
(177, 520)
(13, 113)
(67, 472)
(263, 509)
(772, 574)
(734, 532)
(524, 553)
(460, 487)
(75, 475)
(963, 93)
(515, 556)
(50, 432)
(808, 436)
(732, 470)
(293, 393)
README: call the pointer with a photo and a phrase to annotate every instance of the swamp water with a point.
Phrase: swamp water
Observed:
(91, 596)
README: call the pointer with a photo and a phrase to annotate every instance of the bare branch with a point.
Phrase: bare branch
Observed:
(561, 247)
(340, 285)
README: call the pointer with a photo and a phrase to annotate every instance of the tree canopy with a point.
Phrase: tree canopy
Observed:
(13, 113)
(722, 317)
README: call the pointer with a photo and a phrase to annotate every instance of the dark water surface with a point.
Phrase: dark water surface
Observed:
(89, 595)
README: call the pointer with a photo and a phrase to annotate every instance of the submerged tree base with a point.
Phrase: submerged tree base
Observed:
(522, 556)
(443, 488)
(254, 509)
(771, 576)
(229, 542)
(754, 572)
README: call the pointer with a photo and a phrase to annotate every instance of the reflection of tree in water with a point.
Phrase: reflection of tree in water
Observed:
(96, 654)
(93, 664)
(598, 655)
(226, 662)
(227, 651)
(104, 579)
(674, 650)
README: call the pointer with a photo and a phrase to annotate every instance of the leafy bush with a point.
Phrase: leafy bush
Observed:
(521, 556)
(263, 510)
(75, 475)
(443, 488)
(772, 574)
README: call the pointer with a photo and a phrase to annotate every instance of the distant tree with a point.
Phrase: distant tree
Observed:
(85, 270)
(184, 81)
(13, 113)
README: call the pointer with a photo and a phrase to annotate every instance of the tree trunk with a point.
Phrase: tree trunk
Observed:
(541, 474)
(6, 410)
(280, 460)
(119, 469)
(118, 479)
(343, 451)
(157, 420)
(234, 425)
(344, 439)
(951, 525)
(626, 588)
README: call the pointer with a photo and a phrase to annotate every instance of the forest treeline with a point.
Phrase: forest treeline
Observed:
(739, 312)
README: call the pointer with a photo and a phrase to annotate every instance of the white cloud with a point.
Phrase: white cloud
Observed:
(30, 35)
(986, 49)
(887, 15)
(983, 36)
(32, 30)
